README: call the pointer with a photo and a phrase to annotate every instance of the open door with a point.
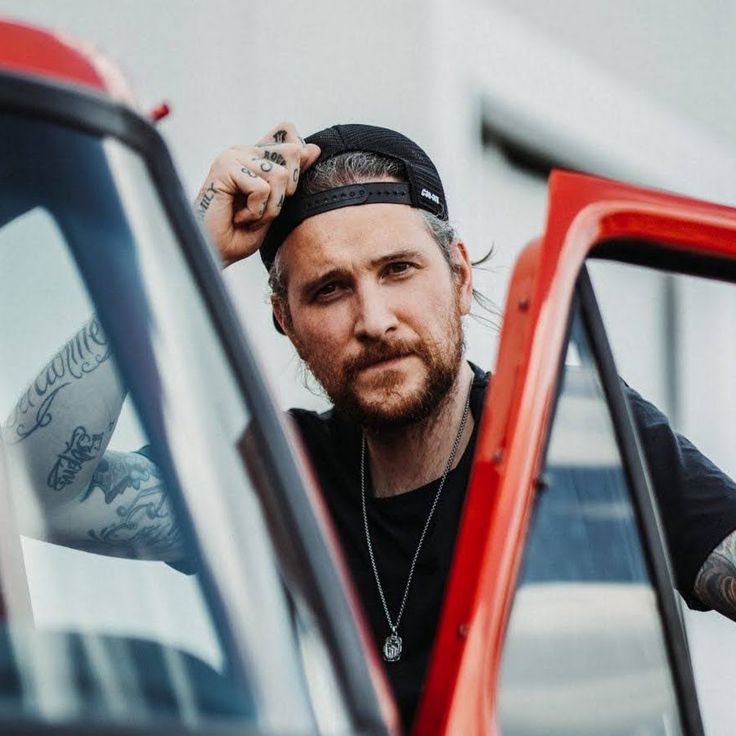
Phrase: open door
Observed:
(561, 614)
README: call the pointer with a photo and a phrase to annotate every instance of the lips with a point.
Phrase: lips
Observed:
(385, 363)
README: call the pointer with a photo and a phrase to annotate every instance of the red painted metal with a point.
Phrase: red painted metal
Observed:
(34, 51)
(40, 53)
(159, 112)
(460, 694)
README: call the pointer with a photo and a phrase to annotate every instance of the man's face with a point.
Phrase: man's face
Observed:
(375, 311)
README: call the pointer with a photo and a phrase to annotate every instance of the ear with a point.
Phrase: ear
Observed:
(280, 320)
(463, 269)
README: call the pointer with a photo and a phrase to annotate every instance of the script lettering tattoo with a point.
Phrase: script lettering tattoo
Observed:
(274, 156)
(206, 199)
(81, 448)
(295, 175)
(716, 582)
(250, 172)
(82, 355)
(280, 136)
(41, 418)
(280, 203)
(145, 521)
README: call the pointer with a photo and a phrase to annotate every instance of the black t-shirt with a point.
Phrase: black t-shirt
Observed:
(396, 524)
(697, 503)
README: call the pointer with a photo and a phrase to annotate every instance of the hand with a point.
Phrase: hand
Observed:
(246, 187)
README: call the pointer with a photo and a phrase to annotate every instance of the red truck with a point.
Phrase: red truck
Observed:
(580, 635)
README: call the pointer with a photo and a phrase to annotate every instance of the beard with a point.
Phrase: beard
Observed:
(392, 406)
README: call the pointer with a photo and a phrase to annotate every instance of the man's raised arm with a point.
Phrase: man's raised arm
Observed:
(67, 488)
(715, 584)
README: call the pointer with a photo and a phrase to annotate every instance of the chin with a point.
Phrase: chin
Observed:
(388, 410)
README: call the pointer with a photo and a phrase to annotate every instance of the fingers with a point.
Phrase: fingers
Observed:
(250, 201)
(247, 186)
(286, 155)
(287, 133)
(281, 133)
(310, 153)
(265, 192)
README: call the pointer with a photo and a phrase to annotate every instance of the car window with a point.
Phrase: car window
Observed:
(157, 595)
(672, 339)
(44, 304)
(584, 650)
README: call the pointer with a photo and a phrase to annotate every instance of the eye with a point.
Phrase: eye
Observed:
(399, 268)
(326, 292)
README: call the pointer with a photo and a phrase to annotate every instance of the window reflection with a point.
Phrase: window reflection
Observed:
(672, 339)
(96, 637)
(584, 651)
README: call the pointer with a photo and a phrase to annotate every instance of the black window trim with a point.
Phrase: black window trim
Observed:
(650, 526)
(93, 112)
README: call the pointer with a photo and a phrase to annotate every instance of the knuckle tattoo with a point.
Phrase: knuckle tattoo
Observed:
(263, 164)
(274, 157)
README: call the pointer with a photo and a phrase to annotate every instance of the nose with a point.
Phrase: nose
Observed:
(375, 315)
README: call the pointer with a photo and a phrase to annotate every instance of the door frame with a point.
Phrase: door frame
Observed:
(460, 691)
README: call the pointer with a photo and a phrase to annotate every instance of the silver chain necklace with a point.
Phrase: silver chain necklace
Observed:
(392, 645)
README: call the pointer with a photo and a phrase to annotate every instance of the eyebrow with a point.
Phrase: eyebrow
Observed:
(309, 287)
(398, 255)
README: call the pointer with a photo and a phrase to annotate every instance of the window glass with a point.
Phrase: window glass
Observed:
(584, 650)
(68, 588)
(672, 339)
(137, 580)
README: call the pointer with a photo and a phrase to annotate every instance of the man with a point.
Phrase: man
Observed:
(370, 284)
(374, 308)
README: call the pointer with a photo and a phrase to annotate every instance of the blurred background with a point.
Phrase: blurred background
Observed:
(498, 92)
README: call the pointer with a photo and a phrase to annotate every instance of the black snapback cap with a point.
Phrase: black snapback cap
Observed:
(423, 187)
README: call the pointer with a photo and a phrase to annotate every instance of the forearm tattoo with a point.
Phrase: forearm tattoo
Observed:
(144, 525)
(715, 585)
(79, 450)
(82, 355)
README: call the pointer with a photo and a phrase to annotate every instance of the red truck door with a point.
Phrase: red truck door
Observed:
(560, 615)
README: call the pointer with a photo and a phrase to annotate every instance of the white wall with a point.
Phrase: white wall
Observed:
(231, 69)
(640, 91)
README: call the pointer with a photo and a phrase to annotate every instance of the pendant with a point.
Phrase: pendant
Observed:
(392, 648)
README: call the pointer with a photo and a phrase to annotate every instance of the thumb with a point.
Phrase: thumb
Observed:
(310, 153)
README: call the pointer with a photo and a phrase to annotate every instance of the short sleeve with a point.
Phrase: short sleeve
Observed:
(697, 501)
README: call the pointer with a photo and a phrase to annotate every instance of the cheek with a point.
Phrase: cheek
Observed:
(319, 333)
(427, 307)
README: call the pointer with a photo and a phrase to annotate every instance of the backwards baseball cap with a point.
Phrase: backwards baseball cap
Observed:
(423, 187)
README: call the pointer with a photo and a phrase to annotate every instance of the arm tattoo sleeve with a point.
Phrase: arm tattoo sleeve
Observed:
(77, 359)
(126, 512)
(715, 584)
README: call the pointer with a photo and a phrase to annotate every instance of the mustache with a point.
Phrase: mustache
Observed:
(377, 353)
